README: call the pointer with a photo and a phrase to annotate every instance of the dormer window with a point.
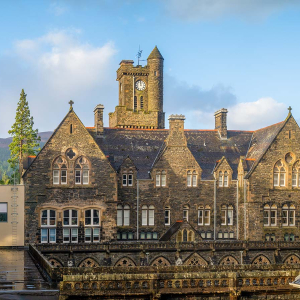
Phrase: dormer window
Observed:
(223, 178)
(127, 178)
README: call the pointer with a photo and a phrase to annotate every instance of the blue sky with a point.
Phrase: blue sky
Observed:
(241, 55)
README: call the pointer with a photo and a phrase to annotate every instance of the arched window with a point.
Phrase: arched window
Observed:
(48, 219)
(270, 215)
(190, 236)
(167, 215)
(70, 219)
(186, 212)
(91, 219)
(123, 215)
(82, 171)
(194, 182)
(60, 167)
(225, 178)
(279, 174)
(288, 215)
(142, 102)
(296, 175)
(148, 215)
(161, 178)
(189, 178)
(185, 235)
(220, 178)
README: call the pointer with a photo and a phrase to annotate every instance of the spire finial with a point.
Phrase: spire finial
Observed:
(71, 102)
(290, 110)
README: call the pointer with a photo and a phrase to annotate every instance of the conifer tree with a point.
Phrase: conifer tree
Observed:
(25, 139)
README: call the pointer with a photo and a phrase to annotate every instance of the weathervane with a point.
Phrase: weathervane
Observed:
(139, 55)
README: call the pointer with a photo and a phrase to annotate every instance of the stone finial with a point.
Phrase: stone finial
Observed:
(290, 110)
(71, 102)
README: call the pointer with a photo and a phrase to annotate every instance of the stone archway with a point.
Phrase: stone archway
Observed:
(261, 260)
(195, 260)
(55, 263)
(88, 263)
(160, 262)
(292, 259)
(125, 262)
(228, 260)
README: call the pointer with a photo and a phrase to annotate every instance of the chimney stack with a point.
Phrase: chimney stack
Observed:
(176, 131)
(98, 113)
(221, 122)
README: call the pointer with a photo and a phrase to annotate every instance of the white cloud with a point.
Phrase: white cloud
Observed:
(53, 69)
(194, 10)
(244, 115)
(57, 9)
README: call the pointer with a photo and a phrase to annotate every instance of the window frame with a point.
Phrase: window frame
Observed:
(48, 218)
(167, 215)
(70, 217)
(48, 235)
(4, 213)
(92, 217)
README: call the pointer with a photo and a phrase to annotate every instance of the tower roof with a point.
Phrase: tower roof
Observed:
(155, 54)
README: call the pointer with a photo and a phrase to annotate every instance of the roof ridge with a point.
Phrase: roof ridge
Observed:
(269, 126)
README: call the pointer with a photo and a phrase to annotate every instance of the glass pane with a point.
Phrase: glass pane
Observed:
(276, 183)
(96, 217)
(66, 217)
(52, 235)
(77, 176)
(142, 235)
(130, 179)
(88, 217)
(96, 236)
(63, 176)
(151, 217)
(189, 181)
(126, 217)
(144, 217)
(124, 236)
(119, 217)
(157, 180)
(55, 177)
(44, 235)
(44, 220)
(124, 179)
(154, 235)
(66, 234)
(282, 179)
(163, 180)
(284, 217)
(85, 176)
(149, 235)
(208, 235)
(194, 180)
(3, 207)
(74, 234)
(130, 236)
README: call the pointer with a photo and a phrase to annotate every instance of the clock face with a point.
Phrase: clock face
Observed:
(140, 85)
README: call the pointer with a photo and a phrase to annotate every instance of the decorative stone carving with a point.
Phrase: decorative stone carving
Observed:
(292, 259)
(125, 262)
(178, 261)
(261, 260)
(55, 263)
(160, 262)
(229, 260)
(88, 263)
(195, 260)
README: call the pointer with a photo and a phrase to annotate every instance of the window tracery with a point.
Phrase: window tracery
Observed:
(125, 262)
(82, 171)
(88, 263)
(279, 174)
(292, 259)
(160, 262)
(60, 167)
(261, 260)
(229, 260)
(55, 263)
(195, 260)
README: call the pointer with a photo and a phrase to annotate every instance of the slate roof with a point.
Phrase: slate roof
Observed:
(155, 54)
(143, 147)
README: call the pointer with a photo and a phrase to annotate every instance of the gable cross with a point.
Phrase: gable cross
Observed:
(290, 109)
(71, 102)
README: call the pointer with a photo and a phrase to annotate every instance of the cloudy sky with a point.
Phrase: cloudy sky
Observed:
(243, 55)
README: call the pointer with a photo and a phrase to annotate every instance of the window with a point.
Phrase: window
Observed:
(296, 175)
(161, 178)
(227, 215)
(60, 171)
(3, 212)
(135, 103)
(207, 215)
(167, 215)
(48, 217)
(92, 235)
(189, 178)
(70, 217)
(142, 102)
(148, 215)
(71, 128)
(220, 178)
(225, 178)
(186, 212)
(123, 215)
(194, 181)
(127, 178)
(82, 171)
(155, 73)
(48, 235)
(200, 215)
(288, 215)
(279, 174)
(270, 215)
(70, 235)
(92, 217)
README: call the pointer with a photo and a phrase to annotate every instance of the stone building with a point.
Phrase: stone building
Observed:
(136, 181)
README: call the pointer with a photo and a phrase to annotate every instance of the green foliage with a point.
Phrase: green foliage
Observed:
(25, 139)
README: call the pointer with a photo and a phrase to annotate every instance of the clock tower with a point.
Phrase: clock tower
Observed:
(140, 94)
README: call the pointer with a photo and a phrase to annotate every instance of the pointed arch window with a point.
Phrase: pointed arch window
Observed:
(60, 168)
(279, 174)
(82, 171)
(296, 175)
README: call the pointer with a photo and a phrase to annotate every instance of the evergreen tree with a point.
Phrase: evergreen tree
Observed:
(25, 139)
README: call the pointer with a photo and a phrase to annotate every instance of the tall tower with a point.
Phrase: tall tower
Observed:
(140, 94)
